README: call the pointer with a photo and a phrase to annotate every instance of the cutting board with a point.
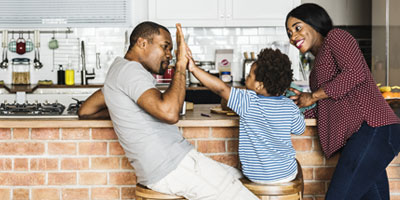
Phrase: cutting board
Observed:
(219, 110)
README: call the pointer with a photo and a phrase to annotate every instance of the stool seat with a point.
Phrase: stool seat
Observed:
(144, 193)
(292, 190)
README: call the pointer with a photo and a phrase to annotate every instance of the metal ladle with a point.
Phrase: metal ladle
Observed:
(4, 62)
(36, 62)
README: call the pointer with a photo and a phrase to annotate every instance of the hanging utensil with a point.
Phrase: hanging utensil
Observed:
(29, 44)
(12, 45)
(36, 61)
(4, 62)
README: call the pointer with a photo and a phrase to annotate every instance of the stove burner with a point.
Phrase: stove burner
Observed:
(73, 108)
(29, 109)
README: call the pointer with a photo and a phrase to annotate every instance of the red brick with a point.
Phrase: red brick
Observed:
(128, 192)
(394, 186)
(393, 171)
(93, 148)
(75, 163)
(310, 158)
(122, 178)
(332, 161)
(21, 133)
(231, 160)
(75, 194)
(5, 133)
(44, 164)
(225, 132)
(75, 133)
(316, 145)
(62, 178)
(302, 144)
(45, 134)
(233, 146)
(125, 164)
(314, 188)
(20, 164)
(116, 149)
(92, 178)
(5, 164)
(308, 173)
(104, 134)
(311, 131)
(105, 193)
(22, 179)
(200, 132)
(62, 148)
(46, 193)
(394, 197)
(211, 146)
(21, 148)
(105, 163)
(324, 173)
(5, 194)
(20, 194)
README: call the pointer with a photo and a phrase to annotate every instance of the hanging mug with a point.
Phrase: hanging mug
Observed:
(29, 44)
(21, 46)
(53, 43)
(12, 45)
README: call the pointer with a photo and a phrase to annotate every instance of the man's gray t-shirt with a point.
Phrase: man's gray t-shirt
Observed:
(153, 147)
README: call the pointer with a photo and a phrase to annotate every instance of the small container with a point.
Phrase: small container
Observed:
(60, 75)
(69, 76)
(226, 77)
(21, 74)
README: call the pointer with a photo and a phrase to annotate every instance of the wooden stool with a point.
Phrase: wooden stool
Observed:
(292, 190)
(144, 193)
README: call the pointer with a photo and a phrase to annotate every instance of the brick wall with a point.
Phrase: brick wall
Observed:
(88, 163)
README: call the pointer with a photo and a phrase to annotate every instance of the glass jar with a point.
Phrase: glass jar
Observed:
(21, 74)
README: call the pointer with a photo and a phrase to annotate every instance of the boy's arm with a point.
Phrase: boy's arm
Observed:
(211, 82)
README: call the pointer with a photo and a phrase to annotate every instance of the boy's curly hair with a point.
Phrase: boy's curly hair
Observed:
(273, 68)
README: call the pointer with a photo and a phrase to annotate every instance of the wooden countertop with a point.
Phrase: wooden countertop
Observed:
(192, 118)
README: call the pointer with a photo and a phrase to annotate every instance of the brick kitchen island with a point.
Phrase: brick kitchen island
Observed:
(82, 159)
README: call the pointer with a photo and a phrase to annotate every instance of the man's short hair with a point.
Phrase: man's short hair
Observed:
(145, 30)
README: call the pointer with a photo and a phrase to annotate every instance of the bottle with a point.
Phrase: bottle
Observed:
(69, 76)
(60, 75)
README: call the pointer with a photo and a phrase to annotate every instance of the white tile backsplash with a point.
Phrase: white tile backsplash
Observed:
(109, 42)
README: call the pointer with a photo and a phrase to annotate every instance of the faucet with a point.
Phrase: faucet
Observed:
(85, 76)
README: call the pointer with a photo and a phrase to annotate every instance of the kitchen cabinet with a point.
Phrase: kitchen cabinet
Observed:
(346, 12)
(220, 13)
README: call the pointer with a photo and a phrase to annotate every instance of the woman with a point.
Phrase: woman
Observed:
(352, 115)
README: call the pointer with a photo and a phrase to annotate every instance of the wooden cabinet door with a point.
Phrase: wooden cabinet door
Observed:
(195, 13)
(258, 12)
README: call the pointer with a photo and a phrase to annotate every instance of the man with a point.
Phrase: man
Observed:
(143, 119)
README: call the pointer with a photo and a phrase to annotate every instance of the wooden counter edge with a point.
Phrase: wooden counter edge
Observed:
(46, 123)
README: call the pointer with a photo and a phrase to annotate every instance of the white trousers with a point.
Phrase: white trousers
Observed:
(198, 177)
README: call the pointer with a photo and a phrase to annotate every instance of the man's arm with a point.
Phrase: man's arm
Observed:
(167, 106)
(94, 107)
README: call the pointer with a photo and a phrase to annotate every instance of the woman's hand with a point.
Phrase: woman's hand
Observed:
(302, 99)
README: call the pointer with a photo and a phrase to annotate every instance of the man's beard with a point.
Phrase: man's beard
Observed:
(161, 71)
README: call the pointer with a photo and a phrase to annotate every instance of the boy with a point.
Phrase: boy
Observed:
(266, 117)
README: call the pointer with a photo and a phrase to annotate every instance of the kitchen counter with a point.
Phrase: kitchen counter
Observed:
(190, 119)
(82, 159)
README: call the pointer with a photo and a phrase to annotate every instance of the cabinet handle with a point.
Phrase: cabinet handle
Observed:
(228, 17)
(221, 16)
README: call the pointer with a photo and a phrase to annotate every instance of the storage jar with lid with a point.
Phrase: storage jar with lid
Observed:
(21, 74)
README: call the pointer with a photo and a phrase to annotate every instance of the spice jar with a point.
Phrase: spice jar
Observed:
(21, 74)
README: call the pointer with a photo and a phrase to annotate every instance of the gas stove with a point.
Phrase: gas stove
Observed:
(36, 110)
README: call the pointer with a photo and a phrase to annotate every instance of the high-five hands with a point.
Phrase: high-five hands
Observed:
(181, 53)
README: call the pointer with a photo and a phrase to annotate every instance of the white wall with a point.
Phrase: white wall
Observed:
(109, 42)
